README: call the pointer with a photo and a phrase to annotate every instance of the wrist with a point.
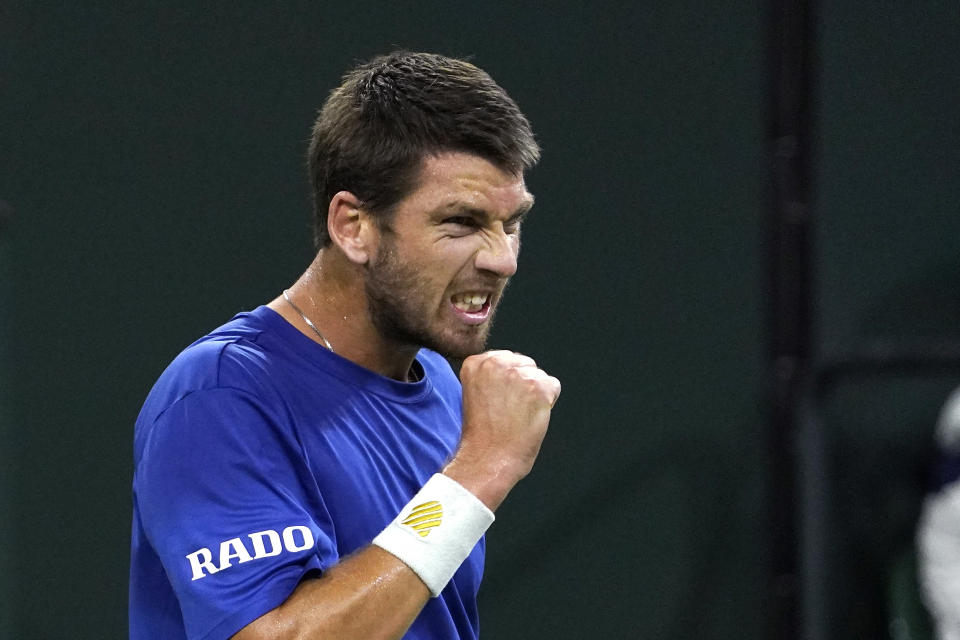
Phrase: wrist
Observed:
(489, 480)
(436, 531)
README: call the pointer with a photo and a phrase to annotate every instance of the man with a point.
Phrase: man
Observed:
(938, 531)
(313, 468)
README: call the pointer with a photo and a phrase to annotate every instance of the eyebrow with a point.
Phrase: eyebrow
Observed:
(522, 210)
(464, 209)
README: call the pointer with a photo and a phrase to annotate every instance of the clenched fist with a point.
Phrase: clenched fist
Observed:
(506, 409)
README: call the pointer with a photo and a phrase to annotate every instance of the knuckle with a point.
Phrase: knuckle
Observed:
(547, 391)
(491, 364)
(514, 374)
(527, 360)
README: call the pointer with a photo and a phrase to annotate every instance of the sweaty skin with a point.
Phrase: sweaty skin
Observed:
(454, 240)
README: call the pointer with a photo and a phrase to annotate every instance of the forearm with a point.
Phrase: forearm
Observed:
(378, 592)
(370, 595)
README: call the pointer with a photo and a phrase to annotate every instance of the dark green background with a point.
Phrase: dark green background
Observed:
(153, 154)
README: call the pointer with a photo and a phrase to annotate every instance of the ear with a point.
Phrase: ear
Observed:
(351, 228)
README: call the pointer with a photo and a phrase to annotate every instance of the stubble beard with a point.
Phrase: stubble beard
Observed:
(400, 311)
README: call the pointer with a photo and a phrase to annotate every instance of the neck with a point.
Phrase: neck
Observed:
(331, 294)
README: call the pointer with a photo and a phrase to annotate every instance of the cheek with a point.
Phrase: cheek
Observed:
(437, 267)
(430, 277)
(453, 259)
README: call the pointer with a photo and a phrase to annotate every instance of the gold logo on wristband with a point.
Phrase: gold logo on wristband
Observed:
(425, 517)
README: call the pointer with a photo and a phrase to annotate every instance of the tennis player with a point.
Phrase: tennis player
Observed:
(314, 468)
(938, 530)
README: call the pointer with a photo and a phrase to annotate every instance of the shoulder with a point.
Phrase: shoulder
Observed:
(230, 357)
(219, 359)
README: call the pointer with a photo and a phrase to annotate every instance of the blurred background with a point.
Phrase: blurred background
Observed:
(743, 266)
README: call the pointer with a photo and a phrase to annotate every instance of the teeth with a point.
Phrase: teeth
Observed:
(470, 302)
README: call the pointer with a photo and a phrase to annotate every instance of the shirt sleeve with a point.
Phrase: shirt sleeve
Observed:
(229, 505)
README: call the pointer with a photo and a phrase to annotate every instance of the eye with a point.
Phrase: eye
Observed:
(461, 221)
(512, 226)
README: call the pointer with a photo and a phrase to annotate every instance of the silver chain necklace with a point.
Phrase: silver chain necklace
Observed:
(326, 342)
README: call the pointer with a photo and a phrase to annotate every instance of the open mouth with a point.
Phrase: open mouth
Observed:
(472, 306)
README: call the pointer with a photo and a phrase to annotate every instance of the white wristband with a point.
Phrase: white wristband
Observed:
(436, 531)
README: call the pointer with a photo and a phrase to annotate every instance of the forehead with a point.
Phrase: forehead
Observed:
(455, 177)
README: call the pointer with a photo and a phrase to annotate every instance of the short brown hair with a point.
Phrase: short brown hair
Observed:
(375, 128)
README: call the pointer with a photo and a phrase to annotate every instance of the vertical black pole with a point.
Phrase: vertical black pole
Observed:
(789, 271)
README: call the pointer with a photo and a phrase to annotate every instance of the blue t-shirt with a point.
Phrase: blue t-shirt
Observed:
(261, 458)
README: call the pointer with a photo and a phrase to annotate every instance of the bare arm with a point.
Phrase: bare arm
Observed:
(372, 595)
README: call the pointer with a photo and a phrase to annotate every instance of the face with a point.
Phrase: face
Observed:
(442, 263)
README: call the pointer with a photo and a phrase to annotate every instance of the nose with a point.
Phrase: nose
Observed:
(499, 254)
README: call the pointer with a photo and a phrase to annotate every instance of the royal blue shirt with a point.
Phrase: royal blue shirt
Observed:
(261, 458)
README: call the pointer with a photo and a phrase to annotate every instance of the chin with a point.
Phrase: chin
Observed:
(459, 347)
